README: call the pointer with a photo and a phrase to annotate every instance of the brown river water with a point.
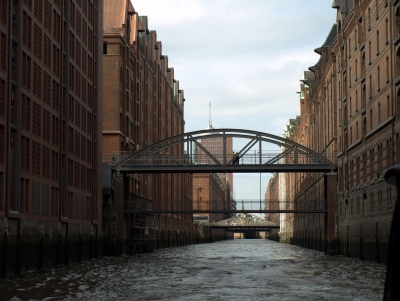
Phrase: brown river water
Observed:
(226, 270)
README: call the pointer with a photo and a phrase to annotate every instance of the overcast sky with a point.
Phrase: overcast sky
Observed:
(245, 57)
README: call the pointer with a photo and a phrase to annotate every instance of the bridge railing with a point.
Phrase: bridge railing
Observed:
(138, 204)
(166, 158)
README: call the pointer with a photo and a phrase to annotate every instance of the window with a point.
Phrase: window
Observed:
(2, 98)
(54, 166)
(54, 201)
(357, 130)
(37, 41)
(27, 28)
(370, 86)
(46, 88)
(379, 78)
(377, 42)
(37, 119)
(387, 31)
(46, 162)
(2, 148)
(387, 69)
(25, 153)
(37, 80)
(369, 52)
(47, 15)
(388, 153)
(3, 12)
(356, 100)
(36, 158)
(38, 9)
(46, 125)
(379, 113)
(25, 196)
(3, 47)
(371, 165)
(104, 47)
(355, 39)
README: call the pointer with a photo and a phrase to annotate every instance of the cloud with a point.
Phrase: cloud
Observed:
(163, 13)
(245, 57)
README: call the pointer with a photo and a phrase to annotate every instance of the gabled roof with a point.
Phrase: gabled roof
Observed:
(329, 39)
(343, 7)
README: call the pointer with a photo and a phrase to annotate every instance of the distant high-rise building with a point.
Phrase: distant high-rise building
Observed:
(215, 146)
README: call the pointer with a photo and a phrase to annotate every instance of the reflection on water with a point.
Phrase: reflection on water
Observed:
(227, 270)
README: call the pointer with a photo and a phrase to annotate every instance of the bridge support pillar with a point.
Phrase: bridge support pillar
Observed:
(331, 206)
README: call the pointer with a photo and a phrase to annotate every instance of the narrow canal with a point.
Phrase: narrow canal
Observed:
(227, 270)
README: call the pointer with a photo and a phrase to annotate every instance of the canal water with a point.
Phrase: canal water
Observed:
(226, 270)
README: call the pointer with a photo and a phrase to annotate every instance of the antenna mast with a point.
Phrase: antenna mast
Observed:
(209, 116)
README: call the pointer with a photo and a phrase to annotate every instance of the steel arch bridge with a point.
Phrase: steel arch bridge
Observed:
(185, 153)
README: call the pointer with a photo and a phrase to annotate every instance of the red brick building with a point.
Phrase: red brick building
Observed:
(349, 107)
(209, 193)
(50, 117)
(143, 104)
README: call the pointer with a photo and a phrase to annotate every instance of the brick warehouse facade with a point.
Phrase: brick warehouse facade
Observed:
(50, 201)
(210, 193)
(142, 105)
(349, 110)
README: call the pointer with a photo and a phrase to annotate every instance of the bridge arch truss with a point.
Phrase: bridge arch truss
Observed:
(181, 154)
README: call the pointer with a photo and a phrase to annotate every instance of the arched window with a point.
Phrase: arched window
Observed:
(351, 174)
(388, 153)
(387, 31)
(377, 42)
(379, 78)
(356, 101)
(379, 113)
(364, 204)
(370, 120)
(387, 69)
(369, 52)
(355, 39)
(364, 168)
(397, 149)
(370, 86)
(357, 131)
(356, 70)
(350, 77)
(380, 159)
(371, 164)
